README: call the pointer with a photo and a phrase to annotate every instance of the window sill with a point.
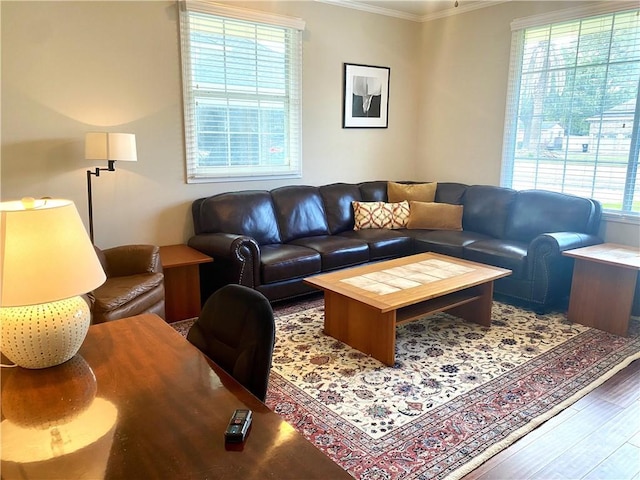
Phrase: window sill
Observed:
(621, 218)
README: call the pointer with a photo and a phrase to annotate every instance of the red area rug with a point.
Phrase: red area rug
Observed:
(457, 395)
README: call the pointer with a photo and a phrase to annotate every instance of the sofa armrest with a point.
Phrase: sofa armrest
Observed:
(549, 246)
(561, 241)
(551, 271)
(128, 260)
(237, 255)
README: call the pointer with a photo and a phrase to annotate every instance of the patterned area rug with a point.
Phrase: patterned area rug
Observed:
(457, 395)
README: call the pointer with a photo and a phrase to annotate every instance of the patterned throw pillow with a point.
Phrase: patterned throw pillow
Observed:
(400, 214)
(380, 215)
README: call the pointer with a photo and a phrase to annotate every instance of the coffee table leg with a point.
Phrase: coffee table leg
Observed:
(360, 326)
(479, 310)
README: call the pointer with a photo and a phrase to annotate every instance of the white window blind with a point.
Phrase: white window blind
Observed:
(242, 93)
(573, 116)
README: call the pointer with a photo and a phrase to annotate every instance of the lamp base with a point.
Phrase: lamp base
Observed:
(44, 335)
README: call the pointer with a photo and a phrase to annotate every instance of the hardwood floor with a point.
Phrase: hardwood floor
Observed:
(597, 438)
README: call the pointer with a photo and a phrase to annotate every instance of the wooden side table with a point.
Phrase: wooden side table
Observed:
(182, 281)
(603, 285)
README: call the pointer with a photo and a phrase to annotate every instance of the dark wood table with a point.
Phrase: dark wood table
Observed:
(181, 266)
(139, 401)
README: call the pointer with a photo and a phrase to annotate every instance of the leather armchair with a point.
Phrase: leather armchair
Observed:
(134, 285)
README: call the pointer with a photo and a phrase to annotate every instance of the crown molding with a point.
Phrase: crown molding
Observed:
(372, 9)
(461, 8)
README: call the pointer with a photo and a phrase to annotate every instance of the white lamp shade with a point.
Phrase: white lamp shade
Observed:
(110, 146)
(45, 253)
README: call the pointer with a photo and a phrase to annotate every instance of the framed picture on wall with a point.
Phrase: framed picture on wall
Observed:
(365, 96)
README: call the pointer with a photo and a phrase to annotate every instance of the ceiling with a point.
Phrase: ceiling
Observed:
(416, 10)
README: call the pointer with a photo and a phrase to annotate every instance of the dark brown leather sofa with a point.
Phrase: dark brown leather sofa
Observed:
(272, 240)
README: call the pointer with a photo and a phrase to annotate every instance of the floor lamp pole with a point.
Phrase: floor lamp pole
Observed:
(96, 172)
(90, 200)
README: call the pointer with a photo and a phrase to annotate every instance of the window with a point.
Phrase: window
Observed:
(573, 116)
(242, 87)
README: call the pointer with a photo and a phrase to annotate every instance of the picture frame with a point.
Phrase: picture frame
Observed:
(365, 96)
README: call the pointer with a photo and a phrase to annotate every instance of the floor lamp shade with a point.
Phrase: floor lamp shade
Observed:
(46, 262)
(110, 146)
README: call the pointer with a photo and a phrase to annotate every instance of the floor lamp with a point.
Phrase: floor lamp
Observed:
(109, 147)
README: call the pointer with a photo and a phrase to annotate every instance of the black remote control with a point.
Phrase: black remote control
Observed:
(238, 426)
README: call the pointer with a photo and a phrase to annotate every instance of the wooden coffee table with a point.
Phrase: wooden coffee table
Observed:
(364, 304)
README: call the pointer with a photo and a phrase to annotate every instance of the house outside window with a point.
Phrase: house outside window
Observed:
(573, 116)
(242, 74)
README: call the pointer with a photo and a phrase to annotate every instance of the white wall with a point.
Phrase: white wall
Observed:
(73, 67)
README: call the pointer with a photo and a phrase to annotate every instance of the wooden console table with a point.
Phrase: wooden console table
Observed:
(139, 401)
(603, 286)
(182, 281)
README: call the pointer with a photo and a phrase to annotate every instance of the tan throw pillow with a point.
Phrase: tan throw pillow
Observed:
(420, 192)
(380, 215)
(435, 216)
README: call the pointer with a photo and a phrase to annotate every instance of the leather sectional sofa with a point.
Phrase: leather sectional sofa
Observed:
(272, 240)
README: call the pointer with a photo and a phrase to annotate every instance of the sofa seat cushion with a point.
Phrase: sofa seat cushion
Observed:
(446, 242)
(135, 293)
(282, 262)
(336, 251)
(499, 253)
(383, 243)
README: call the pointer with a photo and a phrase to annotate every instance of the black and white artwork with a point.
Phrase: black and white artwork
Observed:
(366, 96)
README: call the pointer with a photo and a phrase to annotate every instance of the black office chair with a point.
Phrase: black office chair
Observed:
(236, 329)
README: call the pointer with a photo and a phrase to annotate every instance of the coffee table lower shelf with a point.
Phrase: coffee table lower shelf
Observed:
(373, 331)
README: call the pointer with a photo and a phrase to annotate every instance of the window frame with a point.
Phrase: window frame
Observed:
(518, 27)
(292, 29)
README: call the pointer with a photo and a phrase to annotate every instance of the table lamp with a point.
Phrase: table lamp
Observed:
(46, 262)
(111, 147)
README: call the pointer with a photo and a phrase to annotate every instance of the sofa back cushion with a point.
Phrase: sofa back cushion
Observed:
(486, 209)
(374, 191)
(539, 211)
(249, 212)
(337, 199)
(300, 212)
(450, 192)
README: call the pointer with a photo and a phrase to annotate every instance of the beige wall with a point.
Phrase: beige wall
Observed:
(465, 68)
(73, 67)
